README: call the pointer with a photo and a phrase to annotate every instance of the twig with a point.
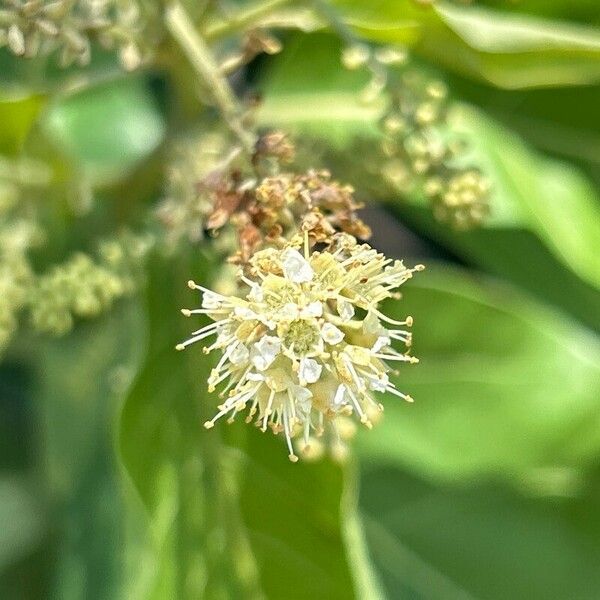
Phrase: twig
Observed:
(200, 56)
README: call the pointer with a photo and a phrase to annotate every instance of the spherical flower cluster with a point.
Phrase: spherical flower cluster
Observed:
(307, 345)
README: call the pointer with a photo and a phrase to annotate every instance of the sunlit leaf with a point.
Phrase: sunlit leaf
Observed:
(17, 116)
(81, 381)
(505, 386)
(484, 541)
(506, 50)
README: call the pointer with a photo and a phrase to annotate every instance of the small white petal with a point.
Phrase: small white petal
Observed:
(239, 355)
(302, 397)
(256, 293)
(381, 342)
(289, 311)
(265, 352)
(244, 312)
(211, 300)
(310, 370)
(314, 309)
(371, 323)
(255, 377)
(345, 309)
(295, 267)
(331, 334)
(379, 384)
(340, 396)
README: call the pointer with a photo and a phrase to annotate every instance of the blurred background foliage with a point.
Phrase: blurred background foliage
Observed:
(486, 488)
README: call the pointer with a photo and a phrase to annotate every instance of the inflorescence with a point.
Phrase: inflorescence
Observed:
(306, 345)
(36, 27)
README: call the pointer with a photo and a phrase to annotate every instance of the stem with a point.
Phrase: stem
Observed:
(196, 49)
(243, 18)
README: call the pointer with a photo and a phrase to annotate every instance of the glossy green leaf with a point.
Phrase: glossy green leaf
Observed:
(506, 50)
(549, 198)
(107, 128)
(505, 385)
(516, 255)
(321, 101)
(479, 542)
(552, 199)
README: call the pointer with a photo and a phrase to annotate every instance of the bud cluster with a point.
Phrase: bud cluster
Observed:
(418, 151)
(39, 27)
(84, 287)
(416, 147)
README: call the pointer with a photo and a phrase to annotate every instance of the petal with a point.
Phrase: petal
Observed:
(295, 267)
(331, 334)
(345, 309)
(310, 370)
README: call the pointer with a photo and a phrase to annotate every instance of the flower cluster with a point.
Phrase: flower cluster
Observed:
(307, 345)
(32, 27)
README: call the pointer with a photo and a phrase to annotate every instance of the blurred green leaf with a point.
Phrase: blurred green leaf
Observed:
(509, 51)
(229, 516)
(22, 522)
(302, 525)
(516, 255)
(483, 542)
(551, 199)
(17, 115)
(324, 100)
(81, 379)
(107, 128)
(505, 385)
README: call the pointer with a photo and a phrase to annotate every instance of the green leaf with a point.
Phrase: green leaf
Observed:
(108, 129)
(509, 51)
(324, 100)
(549, 198)
(517, 256)
(479, 542)
(81, 379)
(23, 523)
(17, 115)
(505, 385)
(307, 544)
(228, 512)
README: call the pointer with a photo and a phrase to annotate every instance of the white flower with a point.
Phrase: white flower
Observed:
(239, 355)
(314, 309)
(381, 342)
(294, 356)
(295, 267)
(211, 300)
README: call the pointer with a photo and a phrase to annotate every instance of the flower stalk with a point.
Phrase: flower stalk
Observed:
(200, 56)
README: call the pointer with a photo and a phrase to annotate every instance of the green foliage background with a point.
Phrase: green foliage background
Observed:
(487, 487)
